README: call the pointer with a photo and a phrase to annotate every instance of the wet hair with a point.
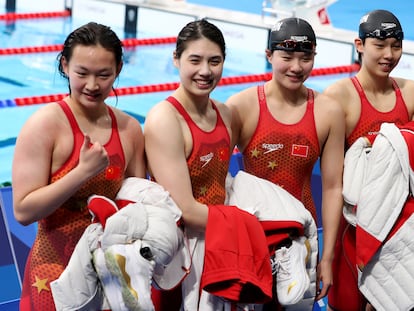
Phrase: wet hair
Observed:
(196, 30)
(89, 35)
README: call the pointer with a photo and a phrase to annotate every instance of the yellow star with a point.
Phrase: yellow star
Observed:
(272, 165)
(40, 284)
(203, 190)
(255, 153)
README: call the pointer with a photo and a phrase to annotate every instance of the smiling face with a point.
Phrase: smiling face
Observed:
(200, 66)
(380, 56)
(91, 71)
(290, 69)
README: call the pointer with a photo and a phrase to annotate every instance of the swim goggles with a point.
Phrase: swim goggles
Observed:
(294, 46)
(384, 34)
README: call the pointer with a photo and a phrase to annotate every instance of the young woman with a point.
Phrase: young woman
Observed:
(187, 136)
(69, 150)
(188, 147)
(369, 99)
(282, 128)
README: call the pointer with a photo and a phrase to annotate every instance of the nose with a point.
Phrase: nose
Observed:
(92, 83)
(296, 65)
(205, 69)
(388, 52)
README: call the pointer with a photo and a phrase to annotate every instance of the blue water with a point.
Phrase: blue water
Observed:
(28, 75)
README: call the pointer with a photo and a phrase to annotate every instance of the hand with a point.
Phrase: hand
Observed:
(324, 278)
(93, 158)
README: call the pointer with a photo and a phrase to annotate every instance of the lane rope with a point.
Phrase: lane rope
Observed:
(128, 43)
(163, 87)
(11, 16)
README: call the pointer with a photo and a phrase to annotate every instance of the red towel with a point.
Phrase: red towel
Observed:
(237, 262)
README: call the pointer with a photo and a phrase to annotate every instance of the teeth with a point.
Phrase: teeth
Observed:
(203, 82)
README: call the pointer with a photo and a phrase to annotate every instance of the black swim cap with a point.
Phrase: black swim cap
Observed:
(292, 34)
(380, 24)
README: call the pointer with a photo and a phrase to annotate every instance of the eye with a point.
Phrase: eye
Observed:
(215, 61)
(194, 60)
(307, 58)
(287, 56)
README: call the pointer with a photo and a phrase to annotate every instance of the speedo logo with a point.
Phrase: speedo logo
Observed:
(205, 159)
(271, 147)
(386, 26)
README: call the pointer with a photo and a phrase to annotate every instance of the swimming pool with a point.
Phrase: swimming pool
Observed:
(36, 74)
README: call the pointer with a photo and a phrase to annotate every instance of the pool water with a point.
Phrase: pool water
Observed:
(35, 74)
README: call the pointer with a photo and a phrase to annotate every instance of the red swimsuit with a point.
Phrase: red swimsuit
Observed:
(59, 233)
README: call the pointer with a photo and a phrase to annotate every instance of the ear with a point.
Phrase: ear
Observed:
(118, 70)
(359, 45)
(65, 65)
(175, 59)
(269, 55)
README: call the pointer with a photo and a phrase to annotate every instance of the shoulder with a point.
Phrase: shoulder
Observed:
(341, 91)
(340, 87)
(44, 126)
(242, 104)
(223, 109)
(328, 105)
(407, 90)
(406, 85)
(162, 110)
(242, 98)
(49, 115)
(161, 118)
(127, 123)
(329, 118)
(123, 117)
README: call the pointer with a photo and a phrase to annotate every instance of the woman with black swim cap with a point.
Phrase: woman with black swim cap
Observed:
(369, 99)
(306, 126)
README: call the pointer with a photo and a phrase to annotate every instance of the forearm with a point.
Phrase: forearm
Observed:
(331, 214)
(195, 216)
(44, 200)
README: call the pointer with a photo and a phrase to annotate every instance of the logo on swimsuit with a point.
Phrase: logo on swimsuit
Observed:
(300, 150)
(271, 147)
(206, 159)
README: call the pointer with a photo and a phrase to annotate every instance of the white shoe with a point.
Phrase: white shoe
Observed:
(292, 279)
(128, 285)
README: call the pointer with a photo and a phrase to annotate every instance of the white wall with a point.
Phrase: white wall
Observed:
(112, 14)
(40, 6)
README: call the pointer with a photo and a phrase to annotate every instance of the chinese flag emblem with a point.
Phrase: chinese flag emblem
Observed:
(224, 154)
(300, 150)
(113, 172)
